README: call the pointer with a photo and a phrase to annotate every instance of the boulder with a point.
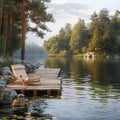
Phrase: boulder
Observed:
(2, 59)
(8, 96)
(6, 71)
(31, 67)
(3, 81)
(2, 88)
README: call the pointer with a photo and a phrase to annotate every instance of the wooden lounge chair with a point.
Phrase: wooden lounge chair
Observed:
(19, 73)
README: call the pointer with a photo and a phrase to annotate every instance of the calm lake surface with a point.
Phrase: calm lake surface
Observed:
(90, 89)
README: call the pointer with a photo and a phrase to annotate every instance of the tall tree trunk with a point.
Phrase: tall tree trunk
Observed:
(2, 21)
(23, 31)
(2, 34)
(11, 35)
(7, 35)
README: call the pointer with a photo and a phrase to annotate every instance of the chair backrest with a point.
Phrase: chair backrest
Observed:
(19, 70)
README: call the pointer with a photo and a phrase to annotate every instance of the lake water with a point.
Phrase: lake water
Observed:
(90, 89)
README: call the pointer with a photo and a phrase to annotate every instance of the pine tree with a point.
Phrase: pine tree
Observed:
(78, 37)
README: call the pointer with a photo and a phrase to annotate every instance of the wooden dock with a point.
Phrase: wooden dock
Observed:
(50, 81)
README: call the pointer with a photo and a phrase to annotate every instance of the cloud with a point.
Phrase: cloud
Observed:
(68, 10)
(66, 13)
(68, 6)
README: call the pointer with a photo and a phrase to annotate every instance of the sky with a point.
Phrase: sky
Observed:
(69, 11)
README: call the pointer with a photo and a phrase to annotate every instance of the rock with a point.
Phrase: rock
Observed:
(8, 96)
(2, 88)
(38, 65)
(2, 59)
(6, 71)
(7, 74)
(8, 78)
(31, 67)
(3, 81)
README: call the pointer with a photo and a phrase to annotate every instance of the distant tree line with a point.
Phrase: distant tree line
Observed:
(101, 35)
(10, 22)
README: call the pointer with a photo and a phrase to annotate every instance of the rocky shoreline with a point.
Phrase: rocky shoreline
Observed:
(6, 95)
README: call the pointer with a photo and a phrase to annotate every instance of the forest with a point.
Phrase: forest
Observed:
(101, 36)
(11, 22)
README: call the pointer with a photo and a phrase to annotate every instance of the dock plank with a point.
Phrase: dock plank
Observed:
(48, 72)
